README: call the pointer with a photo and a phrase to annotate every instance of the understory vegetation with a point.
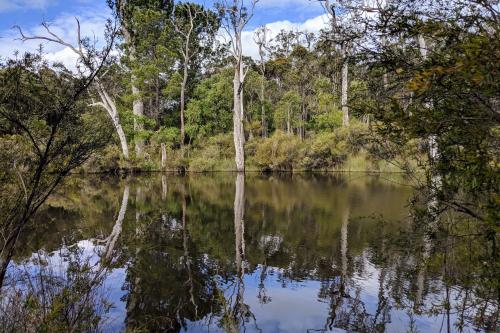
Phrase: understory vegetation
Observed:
(342, 150)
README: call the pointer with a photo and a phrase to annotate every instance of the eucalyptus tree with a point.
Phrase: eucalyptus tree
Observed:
(195, 29)
(138, 48)
(87, 61)
(261, 38)
(338, 32)
(234, 17)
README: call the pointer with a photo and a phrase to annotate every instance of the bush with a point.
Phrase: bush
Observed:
(279, 152)
(325, 151)
(213, 155)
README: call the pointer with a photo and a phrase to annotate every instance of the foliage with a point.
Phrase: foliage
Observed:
(46, 130)
(210, 110)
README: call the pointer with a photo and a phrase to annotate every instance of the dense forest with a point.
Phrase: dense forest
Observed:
(387, 86)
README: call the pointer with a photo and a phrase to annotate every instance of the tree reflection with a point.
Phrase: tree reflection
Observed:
(62, 291)
(184, 272)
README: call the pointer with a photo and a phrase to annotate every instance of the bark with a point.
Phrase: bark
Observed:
(433, 152)
(163, 156)
(261, 39)
(345, 84)
(182, 106)
(138, 103)
(263, 110)
(109, 105)
(288, 124)
(303, 118)
(385, 76)
(138, 111)
(238, 130)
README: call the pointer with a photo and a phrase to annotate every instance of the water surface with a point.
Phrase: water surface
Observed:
(289, 253)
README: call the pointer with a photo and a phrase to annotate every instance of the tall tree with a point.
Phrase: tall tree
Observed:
(235, 16)
(88, 61)
(344, 43)
(127, 12)
(195, 28)
(261, 38)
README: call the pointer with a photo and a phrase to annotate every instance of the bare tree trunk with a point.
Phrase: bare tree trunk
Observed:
(238, 130)
(385, 76)
(138, 103)
(303, 117)
(263, 109)
(260, 39)
(234, 21)
(138, 111)
(163, 156)
(433, 152)
(183, 101)
(345, 85)
(288, 124)
(109, 105)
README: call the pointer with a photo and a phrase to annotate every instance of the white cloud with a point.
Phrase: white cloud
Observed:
(283, 3)
(313, 25)
(92, 25)
(9, 5)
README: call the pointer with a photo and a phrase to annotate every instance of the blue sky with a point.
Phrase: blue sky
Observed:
(30, 12)
(277, 14)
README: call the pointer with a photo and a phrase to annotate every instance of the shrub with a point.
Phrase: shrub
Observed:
(324, 151)
(213, 155)
(279, 152)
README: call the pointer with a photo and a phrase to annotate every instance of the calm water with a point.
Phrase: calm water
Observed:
(220, 253)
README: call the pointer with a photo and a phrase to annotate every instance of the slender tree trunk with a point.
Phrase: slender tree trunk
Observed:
(303, 117)
(183, 101)
(138, 103)
(138, 111)
(436, 181)
(163, 156)
(238, 130)
(109, 105)
(263, 109)
(345, 85)
(288, 124)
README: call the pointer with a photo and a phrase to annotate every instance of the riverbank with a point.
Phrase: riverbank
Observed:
(342, 151)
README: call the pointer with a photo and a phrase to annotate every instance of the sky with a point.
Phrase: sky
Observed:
(306, 15)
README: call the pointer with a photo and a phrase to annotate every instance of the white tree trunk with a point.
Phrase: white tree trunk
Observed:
(238, 130)
(138, 111)
(137, 104)
(109, 105)
(436, 181)
(163, 156)
(345, 85)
